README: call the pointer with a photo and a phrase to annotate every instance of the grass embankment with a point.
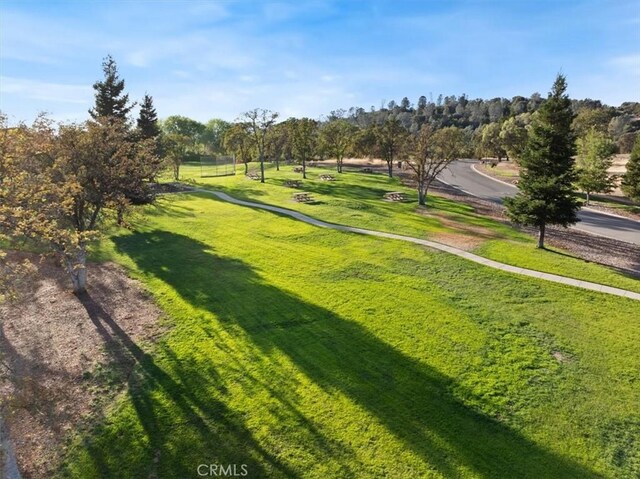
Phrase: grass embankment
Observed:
(305, 352)
(355, 199)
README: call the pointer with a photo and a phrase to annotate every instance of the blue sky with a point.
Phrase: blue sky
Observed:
(220, 58)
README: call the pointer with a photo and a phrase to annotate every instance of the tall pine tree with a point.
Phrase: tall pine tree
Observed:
(148, 118)
(111, 101)
(546, 195)
(631, 179)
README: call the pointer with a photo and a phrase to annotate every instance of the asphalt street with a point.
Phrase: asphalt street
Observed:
(461, 175)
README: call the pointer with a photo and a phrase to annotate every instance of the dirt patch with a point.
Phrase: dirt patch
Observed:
(57, 368)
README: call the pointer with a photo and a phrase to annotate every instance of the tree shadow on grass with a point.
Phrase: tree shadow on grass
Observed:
(410, 399)
(176, 414)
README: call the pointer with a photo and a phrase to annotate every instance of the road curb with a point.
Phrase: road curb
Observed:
(586, 208)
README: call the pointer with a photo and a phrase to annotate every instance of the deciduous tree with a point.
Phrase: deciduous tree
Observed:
(260, 122)
(337, 138)
(237, 140)
(430, 152)
(56, 183)
(304, 139)
(390, 138)
(595, 157)
(631, 179)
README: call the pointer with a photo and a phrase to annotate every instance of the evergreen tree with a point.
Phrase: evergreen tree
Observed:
(631, 179)
(148, 118)
(546, 180)
(111, 102)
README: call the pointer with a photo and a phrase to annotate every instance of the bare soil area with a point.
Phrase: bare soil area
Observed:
(60, 355)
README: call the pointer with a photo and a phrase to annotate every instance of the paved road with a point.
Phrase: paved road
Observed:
(431, 244)
(462, 176)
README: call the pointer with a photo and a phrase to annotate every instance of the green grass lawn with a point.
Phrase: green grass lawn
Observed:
(355, 199)
(306, 352)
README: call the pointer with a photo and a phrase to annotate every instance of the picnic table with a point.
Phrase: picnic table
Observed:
(253, 175)
(293, 183)
(394, 196)
(367, 170)
(302, 197)
(297, 169)
(327, 177)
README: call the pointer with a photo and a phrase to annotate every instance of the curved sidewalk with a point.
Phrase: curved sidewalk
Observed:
(431, 244)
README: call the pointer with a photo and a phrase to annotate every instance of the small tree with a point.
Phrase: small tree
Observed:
(278, 143)
(547, 173)
(111, 101)
(260, 122)
(147, 122)
(430, 152)
(491, 145)
(237, 140)
(595, 157)
(56, 184)
(631, 179)
(337, 138)
(513, 135)
(389, 140)
(304, 139)
(175, 147)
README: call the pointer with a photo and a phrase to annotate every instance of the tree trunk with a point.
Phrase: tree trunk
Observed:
(246, 167)
(339, 165)
(261, 168)
(587, 203)
(390, 167)
(304, 169)
(176, 171)
(277, 164)
(422, 195)
(541, 236)
(120, 218)
(77, 268)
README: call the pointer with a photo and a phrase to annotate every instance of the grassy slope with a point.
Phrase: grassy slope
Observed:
(356, 199)
(304, 352)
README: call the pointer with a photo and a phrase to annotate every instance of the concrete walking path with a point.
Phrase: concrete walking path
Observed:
(431, 244)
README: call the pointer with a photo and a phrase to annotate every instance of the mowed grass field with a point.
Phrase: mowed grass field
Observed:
(312, 353)
(356, 199)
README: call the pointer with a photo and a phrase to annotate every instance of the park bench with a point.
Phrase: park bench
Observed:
(394, 196)
(293, 183)
(302, 197)
(367, 170)
(327, 178)
(297, 169)
(253, 175)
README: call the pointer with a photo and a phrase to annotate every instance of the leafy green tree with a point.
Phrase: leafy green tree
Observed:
(337, 139)
(430, 152)
(111, 101)
(259, 122)
(278, 144)
(513, 135)
(237, 140)
(547, 173)
(147, 122)
(588, 119)
(175, 148)
(490, 142)
(190, 130)
(390, 138)
(595, 157)
(212, 136)
(631, 179)
(304, 139)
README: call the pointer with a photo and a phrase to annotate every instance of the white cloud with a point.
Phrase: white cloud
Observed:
(50, 92)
